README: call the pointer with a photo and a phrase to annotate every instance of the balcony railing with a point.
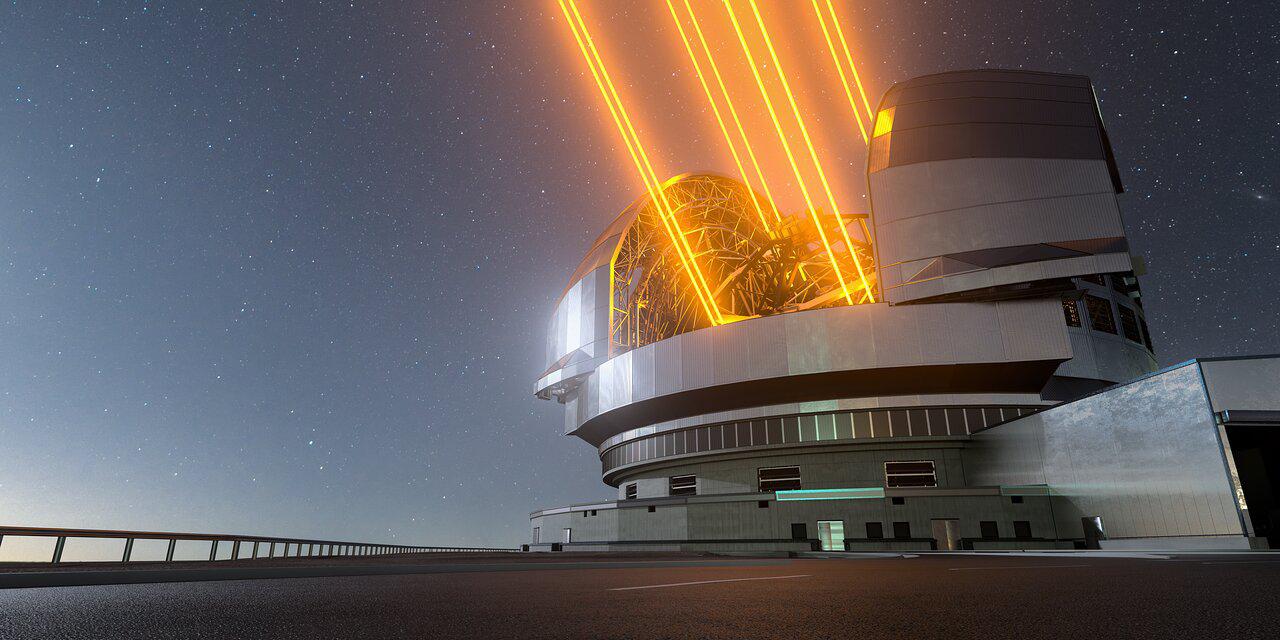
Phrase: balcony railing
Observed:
(253, 547)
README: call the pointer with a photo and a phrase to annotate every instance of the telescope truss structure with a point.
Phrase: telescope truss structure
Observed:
(751, 270)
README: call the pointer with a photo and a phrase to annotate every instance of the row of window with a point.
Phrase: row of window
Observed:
(831, 532)
(912, 473)
(820, 427)
(1100, 316)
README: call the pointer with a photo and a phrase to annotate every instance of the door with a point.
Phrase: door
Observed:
(946, 532)
(831, 534)
(568, 535)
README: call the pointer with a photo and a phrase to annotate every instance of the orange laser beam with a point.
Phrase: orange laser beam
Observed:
(706, 88)
(813, 154)
(786, 147)
(844, 81)
(835, 21)
(636, 150)
(724, 91)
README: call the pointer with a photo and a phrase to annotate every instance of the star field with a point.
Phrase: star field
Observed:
(282, 269)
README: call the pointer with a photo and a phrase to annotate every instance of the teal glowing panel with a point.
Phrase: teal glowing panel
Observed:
(832, 494)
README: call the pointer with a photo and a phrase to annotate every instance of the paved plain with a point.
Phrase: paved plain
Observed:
(572, 596)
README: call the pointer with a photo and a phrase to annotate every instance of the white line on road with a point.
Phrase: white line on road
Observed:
(685, 584)
(1032, 566)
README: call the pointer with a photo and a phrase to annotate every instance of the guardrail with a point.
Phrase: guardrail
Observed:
(289, 547)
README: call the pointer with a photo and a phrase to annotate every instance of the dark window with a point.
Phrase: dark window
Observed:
(919, 423)
(1021, 529)
(901, 530)
(1129, 324)
(879, 424)
(917, 473)
(1015, 499)
(1095, 278)
(1100, 318)
(974, 419)
(875, 530)
(799, 531)
(652, 508)
(631, 491)
(898, 500)
(990, 530)
(1072, 312)
(898, 423)
(683, 485)
(938, 422)
(762, 504)
(955, 422)
(778, 479)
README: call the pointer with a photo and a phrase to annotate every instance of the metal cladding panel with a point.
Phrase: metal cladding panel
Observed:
(1000, 224)
(1144, 456)
(1243, 384)
(642, 374)
(1032, 329)
(1027, 272)
(580, 322)
(830, 354)
(697, 358)
(614, 382)
(731, 344)
(927, 188)
(668, 366)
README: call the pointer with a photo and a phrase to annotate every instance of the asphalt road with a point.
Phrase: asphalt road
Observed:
(563, 596)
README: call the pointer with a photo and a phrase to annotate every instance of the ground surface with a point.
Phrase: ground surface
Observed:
(593, 596)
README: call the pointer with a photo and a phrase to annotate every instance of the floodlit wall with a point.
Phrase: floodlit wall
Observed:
(1144, 456)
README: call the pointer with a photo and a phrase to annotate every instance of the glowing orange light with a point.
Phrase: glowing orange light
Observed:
(724, 91)
(813, 155)
(733, 149)
(786, 147)
(616, 109)
(835, 21)
(844, 82)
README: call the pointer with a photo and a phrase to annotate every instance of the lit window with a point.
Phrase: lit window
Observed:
(1072, 312)
(683, 485)
(1100, 318)
(884, 121)
(779, 479)
(831, 535)
(917, 473)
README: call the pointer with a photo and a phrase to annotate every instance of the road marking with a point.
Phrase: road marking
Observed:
(685, 584)
(1034, 566)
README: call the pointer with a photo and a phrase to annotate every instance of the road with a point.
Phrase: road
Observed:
(571, 596)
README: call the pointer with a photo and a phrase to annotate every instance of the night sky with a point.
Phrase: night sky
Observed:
(285, 268)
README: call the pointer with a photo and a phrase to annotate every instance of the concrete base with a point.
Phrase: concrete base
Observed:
(1179, 543)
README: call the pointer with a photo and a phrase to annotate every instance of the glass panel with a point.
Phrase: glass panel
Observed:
(831, 534)
(861, 424)
(879, 424)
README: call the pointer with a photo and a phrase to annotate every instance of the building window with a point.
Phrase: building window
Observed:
(568, 535)
(1095, 278)
(778, 479)
(831, 535)
(762, 504)
(1022, 529)
(1146, 335)
(631, 491)
(683, 485)
(875, 530)
(1015, 499)
(1100, 318)
(799, 531)
(902, 530)
(990, 530)
(652, 508)
(537, 535)
(916, 473)
(1129, 324)
(1071, 310)
(897, 500)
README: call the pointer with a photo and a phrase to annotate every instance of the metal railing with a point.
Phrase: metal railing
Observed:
(289, 547)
